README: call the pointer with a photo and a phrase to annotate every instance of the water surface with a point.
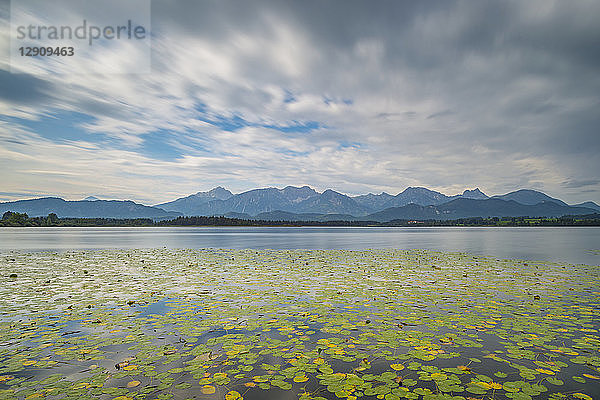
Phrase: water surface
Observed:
(566, 244)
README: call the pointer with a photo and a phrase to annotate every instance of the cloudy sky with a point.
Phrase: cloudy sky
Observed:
(356, 96)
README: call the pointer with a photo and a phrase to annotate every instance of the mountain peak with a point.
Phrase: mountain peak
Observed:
(297, 187)
(332, 202)
(589, 204)
(416, 195)
(297, 194)
(474, 194)
(91, 198)
(529, 197)
(416, 189)
(218, 192)
(373, 201)
(189, 203)
(331, 192)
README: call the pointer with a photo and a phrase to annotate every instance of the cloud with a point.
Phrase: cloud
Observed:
(447, 95)
(576, 184)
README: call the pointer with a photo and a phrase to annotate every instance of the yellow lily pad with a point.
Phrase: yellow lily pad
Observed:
(208, 389)
(233, 395)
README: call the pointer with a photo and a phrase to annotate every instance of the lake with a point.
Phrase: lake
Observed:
(240, 313)
(565, 244)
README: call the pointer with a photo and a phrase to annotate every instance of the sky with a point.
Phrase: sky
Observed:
(355, 96)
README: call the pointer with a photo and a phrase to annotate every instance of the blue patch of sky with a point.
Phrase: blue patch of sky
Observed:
(229, 124)
(292, 153)
(296, 127)
(345, 144)
(157, 145)
(289, 97)
(236, 122)
(66, 126)
(61, 126)
(225, 123)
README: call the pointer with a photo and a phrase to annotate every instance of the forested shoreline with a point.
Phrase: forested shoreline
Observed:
(12, 219)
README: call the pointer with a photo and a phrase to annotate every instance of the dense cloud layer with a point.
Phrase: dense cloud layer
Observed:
(352, 95)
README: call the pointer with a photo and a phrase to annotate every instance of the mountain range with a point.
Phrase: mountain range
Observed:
(86, 209)
(466, 208)
(306, 204)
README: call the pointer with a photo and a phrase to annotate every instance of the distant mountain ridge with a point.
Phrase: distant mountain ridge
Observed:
(468, 208)
(293, 199)
(588, 204)
(302, 203)
(305, 200)
(417, 195)
(306, 204)
(529, 197)
(85, 209)
(454, 209)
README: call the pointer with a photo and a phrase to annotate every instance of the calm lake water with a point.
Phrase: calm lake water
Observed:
(567, 244)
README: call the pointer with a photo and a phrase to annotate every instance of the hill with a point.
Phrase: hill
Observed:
(85, 209)
(529, 197)
(466, 208)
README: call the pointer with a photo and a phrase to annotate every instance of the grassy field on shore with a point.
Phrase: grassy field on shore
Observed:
(296, 324)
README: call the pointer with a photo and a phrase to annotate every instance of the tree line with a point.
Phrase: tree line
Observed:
(16, 219)
(22, 219)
